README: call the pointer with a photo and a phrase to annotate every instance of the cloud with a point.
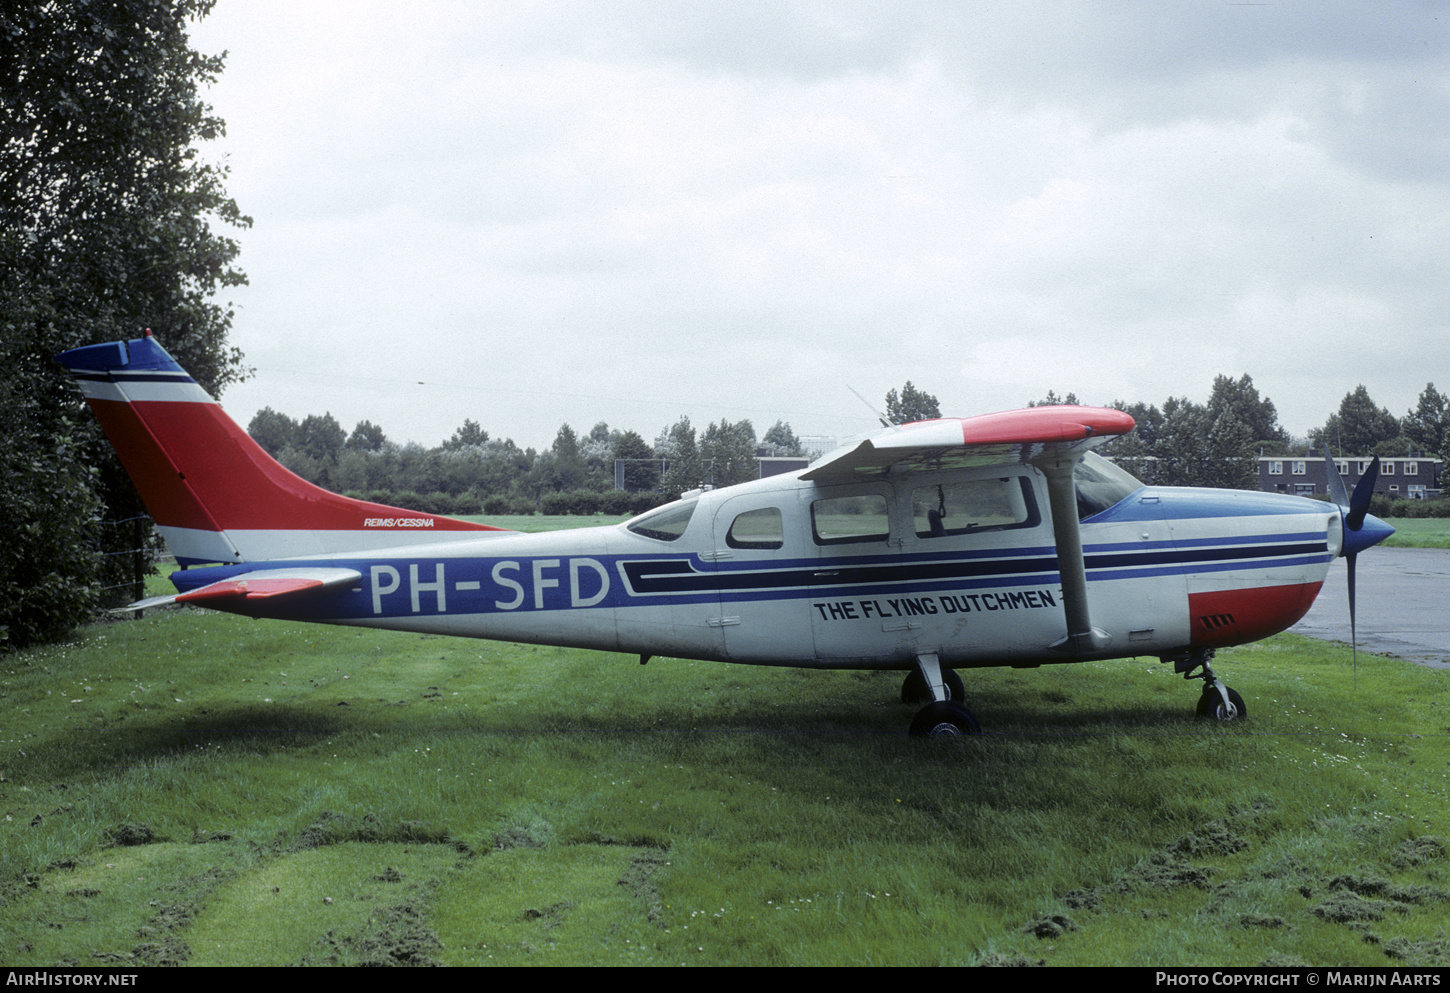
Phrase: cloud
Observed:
(586, 211)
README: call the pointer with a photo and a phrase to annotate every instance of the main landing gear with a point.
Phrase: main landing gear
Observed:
(942, 691)
(1217, 700)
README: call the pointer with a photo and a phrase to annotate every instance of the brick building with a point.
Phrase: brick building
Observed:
(1416, 477)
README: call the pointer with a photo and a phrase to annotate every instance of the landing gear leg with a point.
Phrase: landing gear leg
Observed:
(944, 715)
(1217, 701)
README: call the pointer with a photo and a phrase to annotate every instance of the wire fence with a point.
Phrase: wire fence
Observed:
(128, 556)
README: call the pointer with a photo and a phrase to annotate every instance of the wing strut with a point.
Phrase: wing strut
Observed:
(1082, 638)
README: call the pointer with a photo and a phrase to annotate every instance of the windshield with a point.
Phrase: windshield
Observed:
(665, 524)
(1100, 484)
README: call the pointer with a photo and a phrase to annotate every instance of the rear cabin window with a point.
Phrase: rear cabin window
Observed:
(973, 505)
(761, 528)
(839, 520)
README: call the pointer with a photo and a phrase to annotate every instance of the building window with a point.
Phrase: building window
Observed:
(1388, 468)
(1412, 468)
(1304, 489)
(1299, 467)
(1342, 468)
(1363, 468)
(1276, 468)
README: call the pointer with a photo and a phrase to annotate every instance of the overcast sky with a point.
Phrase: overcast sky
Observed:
(532, 213)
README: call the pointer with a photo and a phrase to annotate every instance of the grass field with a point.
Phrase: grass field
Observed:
(200, 789)
(1419, 532)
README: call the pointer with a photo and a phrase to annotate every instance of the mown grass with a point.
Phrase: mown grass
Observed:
(1419, 532)
(203, 789)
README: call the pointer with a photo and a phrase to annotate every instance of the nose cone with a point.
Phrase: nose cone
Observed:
(1370, 533)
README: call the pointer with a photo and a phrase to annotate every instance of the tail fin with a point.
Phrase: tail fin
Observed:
(215, 495)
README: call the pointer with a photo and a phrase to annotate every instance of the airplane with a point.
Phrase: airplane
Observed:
(1000, 539)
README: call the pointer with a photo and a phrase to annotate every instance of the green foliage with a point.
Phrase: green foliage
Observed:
(1053, 400)
(1358, 427)
(368, 437)
(683, 467)
(470, 435)
(780, 441)
(641, 468)
(106, 217)
(910, 405)
(728, 452)
(273, 431)
(49, 569)
(1428, 425)
(1191, 444)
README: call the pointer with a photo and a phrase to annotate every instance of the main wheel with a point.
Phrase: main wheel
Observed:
(914, 689)
(944, 717)
(1211, 705)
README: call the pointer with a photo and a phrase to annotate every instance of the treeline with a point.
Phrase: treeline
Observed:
(1181, 443)
(1185, 443)
(474, 473)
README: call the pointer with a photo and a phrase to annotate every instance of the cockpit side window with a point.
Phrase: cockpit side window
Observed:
(665, 524)
(973, 505)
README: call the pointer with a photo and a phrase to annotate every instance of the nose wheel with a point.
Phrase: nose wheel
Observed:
(1217, 700)
(1212, 703)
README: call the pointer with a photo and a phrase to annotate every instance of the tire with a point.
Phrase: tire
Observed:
(1211, 705)
(944, 719)
(914, 690)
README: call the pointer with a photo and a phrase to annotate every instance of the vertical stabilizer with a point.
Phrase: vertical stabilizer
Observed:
(215, 495)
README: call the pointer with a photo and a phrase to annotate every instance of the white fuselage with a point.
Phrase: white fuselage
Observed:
(784, 571)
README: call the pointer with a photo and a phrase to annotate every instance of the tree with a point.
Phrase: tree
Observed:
(470, 435)
(321, 437)
(1427, 425)
(641, 468)
(273, 431)
(911, 405)
(1238, 400)
(728, 450)
(676, 445)
(781, 441)
(106, 217)
(365, 437)
(1053, 400)
(1358, 427)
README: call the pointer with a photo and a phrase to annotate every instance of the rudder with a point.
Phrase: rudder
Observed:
(215, 494)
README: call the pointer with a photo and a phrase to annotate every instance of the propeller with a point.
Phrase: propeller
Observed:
(1361, 529)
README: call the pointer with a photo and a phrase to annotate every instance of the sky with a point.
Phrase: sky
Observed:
(529, 214)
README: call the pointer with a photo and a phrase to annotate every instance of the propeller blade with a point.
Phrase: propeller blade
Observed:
(1353, 633)
(1359, 503)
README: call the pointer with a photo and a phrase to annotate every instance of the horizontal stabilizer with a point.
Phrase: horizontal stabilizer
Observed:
(265, 583)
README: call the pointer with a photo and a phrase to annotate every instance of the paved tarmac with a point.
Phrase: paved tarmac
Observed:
(1402, 604)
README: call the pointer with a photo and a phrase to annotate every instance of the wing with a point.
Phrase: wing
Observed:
(989, 439)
